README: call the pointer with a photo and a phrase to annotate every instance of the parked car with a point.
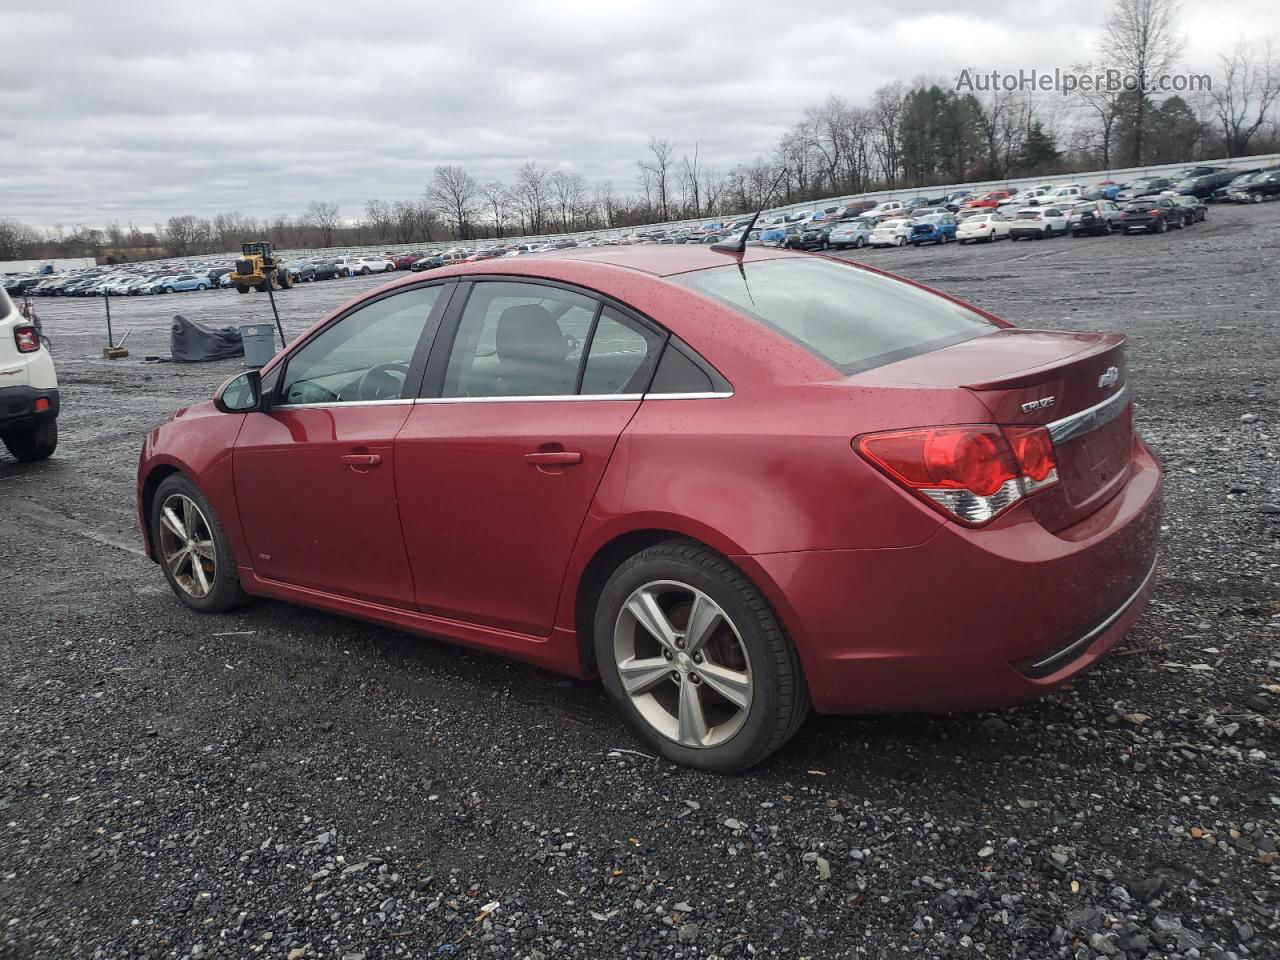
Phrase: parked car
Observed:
(324, 270)
(1062, 196)
(991, 199)
(301, 270)
(347, 266)
(29, 399)
(404, 261)
(1143, 187)
(1105, 190)
(887, 209)
(811, 236)
(429, 263)
(144, 285)
(1264, 187)
(1196, 208)
(182, 282)
(1234, 191)
(850, 233)
(954, 200)
(954, 438)
(1037, 223)
(1204, 185)
(1026, 198)
(1151, 215)
(1093, 217)
(983, 225)
(779, 234)
(935, 228)
(892, 233)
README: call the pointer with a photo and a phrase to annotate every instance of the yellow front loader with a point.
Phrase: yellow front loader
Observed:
(258, 270)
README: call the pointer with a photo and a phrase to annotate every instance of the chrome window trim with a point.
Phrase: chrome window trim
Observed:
(559, 397)
(696, 395)
(341, 403)
(1065, 654)
(1091, 418)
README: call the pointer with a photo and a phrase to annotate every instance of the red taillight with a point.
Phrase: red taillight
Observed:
(42, 404)
(1154, 213)
(971, 473)
(27, 339)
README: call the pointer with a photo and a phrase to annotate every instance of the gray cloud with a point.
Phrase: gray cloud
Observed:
(137, 111)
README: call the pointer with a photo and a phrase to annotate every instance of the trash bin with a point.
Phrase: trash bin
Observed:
(259, 343)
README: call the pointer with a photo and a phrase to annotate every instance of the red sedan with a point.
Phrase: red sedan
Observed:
(734, 486)
(992, 199)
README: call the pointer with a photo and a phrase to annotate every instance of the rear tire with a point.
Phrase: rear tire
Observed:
(742, 650)
(33, 442)
(217, 564)
(242, 289)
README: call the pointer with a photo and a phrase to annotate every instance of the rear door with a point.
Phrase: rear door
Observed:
(315, 475)
(527, 392)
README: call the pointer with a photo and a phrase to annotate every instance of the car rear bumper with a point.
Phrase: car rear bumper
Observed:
(18, 405)
(971, 618)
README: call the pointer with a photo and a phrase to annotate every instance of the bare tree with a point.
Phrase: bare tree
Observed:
(531, 194)
(379, 215)
(1141, 39)
(453, 193)
(887, 111)
(567, 190)
(1246, 94)
(690, 184)
(322, 216)
(497, 199)
(658, 169)
(606, 202)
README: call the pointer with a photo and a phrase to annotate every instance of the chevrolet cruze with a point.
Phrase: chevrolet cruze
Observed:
(734, 486)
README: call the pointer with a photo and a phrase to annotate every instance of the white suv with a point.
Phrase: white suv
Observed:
(28, 387)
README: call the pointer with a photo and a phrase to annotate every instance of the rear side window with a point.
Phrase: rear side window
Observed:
(850, 318)
(623, 355)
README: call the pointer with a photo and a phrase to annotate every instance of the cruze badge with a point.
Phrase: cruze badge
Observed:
(1039, 404)
(1110, 378)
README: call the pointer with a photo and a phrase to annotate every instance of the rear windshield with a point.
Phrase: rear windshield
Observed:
(850, 318)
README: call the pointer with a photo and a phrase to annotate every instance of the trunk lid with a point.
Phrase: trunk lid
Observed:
(1074, 384)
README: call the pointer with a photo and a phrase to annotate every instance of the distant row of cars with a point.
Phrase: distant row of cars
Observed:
(1046, 210)
(1149, 204)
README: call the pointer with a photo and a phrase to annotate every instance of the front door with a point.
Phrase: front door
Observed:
(497, 469)
(315, 476)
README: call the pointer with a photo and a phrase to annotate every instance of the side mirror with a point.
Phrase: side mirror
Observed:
(241, 394)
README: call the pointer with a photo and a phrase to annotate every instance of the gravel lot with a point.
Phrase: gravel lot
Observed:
(284, 783)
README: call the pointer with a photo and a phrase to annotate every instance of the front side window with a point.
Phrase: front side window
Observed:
(365, 356)
(850, 318)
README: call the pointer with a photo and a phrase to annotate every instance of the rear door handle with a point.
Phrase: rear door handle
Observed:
(554, 457)
(362, 459)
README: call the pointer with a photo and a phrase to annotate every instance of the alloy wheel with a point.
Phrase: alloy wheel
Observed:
(683, 664)
(186, 545)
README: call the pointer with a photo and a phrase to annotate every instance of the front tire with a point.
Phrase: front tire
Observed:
(192, 548)
(696, 661)
(31, 443)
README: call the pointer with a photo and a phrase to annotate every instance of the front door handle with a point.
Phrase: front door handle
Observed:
(362, 459)
(558, 458)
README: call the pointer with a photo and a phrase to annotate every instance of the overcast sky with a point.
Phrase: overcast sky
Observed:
(136, 111)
